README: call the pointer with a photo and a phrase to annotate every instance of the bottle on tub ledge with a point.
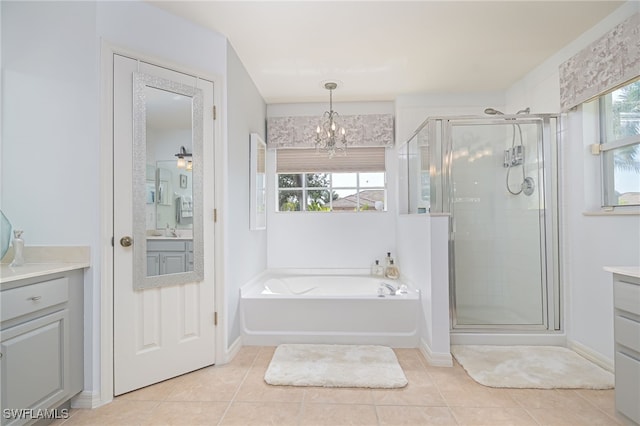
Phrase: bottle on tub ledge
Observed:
(377, 270)
(392, 272)
(388, 259)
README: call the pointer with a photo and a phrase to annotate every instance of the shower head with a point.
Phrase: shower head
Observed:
(492, 111)
(527, 110)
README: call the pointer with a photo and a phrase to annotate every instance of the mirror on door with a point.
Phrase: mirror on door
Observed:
(167, 182)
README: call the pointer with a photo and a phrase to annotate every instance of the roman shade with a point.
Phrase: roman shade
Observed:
(368, 159)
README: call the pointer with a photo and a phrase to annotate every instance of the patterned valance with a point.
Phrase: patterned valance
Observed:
(605, 64)
(300, 132)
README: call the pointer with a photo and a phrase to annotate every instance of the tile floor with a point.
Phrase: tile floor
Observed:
(236, 394)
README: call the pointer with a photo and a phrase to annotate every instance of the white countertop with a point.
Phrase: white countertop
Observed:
(631, 271)
(31, 270)
(45, 260)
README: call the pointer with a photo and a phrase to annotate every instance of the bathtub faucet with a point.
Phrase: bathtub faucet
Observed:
(392, 290)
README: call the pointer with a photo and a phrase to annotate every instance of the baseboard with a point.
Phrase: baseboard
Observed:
(436, 359)
(231, 352)
(591, 355)
(87, 399)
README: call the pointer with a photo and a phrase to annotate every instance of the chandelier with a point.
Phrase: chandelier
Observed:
(328, 137)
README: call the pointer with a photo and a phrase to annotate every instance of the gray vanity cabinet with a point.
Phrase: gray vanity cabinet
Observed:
(626, 293)
(41, 344)
(169, 256)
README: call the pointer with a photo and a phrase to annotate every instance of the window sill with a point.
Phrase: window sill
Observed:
(625, 211)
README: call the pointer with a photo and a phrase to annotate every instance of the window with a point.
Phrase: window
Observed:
(324, 192)
(308, 181)
(620, 145)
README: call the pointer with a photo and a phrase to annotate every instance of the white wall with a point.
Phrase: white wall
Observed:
(51, 106)
(245, 250)
(412, 110)
(588, 242)
(423, 247)
(335, 240)
(50, 135)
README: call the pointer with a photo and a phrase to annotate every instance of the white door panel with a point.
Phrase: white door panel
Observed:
(162, 332)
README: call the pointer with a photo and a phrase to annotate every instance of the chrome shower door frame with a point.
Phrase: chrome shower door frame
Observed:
(441, 159)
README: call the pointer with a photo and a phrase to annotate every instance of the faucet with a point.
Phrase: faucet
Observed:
(392, 290)
(170, 232)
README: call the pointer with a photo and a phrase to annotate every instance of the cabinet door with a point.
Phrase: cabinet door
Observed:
(173, 263)
(153, 264)
(628, 386)
(34, 368)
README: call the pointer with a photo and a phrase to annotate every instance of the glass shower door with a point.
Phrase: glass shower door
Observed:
(497, 205)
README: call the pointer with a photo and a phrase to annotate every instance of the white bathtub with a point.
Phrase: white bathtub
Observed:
(289, 307)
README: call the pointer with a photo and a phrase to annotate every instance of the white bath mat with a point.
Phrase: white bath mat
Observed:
(538, 367)
(358, 366)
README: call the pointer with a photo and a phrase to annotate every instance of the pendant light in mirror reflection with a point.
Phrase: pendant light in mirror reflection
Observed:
(184, 159)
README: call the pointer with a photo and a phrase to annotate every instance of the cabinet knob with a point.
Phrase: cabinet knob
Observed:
(34, 298)
(126, 241)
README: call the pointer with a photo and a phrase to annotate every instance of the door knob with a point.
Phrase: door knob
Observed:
(126, 241)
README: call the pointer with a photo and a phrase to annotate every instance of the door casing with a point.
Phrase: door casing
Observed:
(106, 245)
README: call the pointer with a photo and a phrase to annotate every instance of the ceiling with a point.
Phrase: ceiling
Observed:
(378, 50)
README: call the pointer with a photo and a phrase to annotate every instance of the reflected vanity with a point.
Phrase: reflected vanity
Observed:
(167, 204)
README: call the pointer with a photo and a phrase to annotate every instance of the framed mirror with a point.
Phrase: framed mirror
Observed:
(167, 183)
(257, 178)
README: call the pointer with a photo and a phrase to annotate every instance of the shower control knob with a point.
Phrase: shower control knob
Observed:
(126, 241)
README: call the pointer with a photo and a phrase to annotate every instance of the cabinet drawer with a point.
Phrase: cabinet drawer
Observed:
(627, 332)
(30, 298)
(628, 386)
(626, 296)
(165, 245)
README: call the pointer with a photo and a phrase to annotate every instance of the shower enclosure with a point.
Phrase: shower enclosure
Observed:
(496, 176)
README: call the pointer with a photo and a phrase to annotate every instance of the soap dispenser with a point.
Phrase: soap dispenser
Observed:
(18, 247)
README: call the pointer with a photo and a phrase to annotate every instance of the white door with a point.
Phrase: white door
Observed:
(166, 331)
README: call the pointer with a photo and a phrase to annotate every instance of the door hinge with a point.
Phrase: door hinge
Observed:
(215, 115)
(215, 318)
(215, 215)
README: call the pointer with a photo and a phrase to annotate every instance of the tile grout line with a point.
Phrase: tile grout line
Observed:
(239, 386)
(596, 406)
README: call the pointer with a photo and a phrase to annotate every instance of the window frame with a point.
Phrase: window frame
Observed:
(609, 143)
(305, 189)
